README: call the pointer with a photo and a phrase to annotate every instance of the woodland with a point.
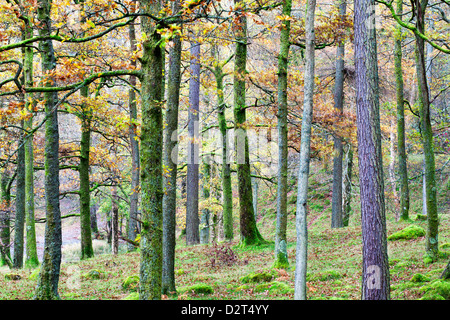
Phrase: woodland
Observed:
(224, 149)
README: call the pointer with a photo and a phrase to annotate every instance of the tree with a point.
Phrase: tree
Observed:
(151, 155)
(281, 258)
(304, 158)
(336, 212)
(192, 179)
(375, 279)
(171, 161)
(402, 159)
(47, 285)
(249, 232)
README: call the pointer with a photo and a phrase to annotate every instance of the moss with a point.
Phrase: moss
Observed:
(132, 296)
(12, 276)
(198, 288)
(326, 275)
(34, 275)
(93, 274)
(410, 232)
(418, 277)
(421, 217)
(274, 287)
(427, 259)
(435, 288)
(131, 283)
(180, 272)
(243, 287)
(257, 277)
(445, 245)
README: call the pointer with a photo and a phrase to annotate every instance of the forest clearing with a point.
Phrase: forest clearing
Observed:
(224, 150)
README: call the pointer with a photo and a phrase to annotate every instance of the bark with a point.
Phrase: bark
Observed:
(305, 148)
(205, 218)
(281, 258)
(192, 181)
(94, 225)
(391, 169)
(5, 224)
(19, 222)
(115, 221)
(227, 192)
(134, 144)
(171, 161)
(432, 249)
(375, 280)
(87, 250)
(401, 137)
(249, 233)
(347, 184)
(47, 285)
(152, 95)
(336, 201)
(31, 260)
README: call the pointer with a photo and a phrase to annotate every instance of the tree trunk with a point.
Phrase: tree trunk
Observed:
(432, 249)
(171, 161)
(249, 232)
(134, 144)
(5, 216)
(31, 260)
(336, 201)
(87, 250)
(305, 148)
(227, 191)
(47, 285)
(281, 258)
(391, 169)
(205, 218)
(401, 139)
(347, 185)
(94, 225)
(152, 94)
(375, 280)
(115, 221)
(19, 222)
(192, 218)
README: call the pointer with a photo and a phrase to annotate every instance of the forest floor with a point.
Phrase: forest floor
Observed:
(334, 257)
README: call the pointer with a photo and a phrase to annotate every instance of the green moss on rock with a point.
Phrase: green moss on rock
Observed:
(132, 296)
(257, 277)
(12, 276)
(418, 277)
(326, 275)
(274, 287)
(198, 288)
(410, 232)
(93, 274)
(131, 282)
(435, 289)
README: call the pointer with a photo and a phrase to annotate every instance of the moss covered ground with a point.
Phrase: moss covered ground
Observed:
(334, 260)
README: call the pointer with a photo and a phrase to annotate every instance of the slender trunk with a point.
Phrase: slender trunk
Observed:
(305, 148)
(19, 222)
(204, 222)
(87, 250)
(432, 249)
(31, 260)
(392, 176)
(115, 221)
(375, 280)
(152, 94)
(227, 192)
(47, 285)
(401, 137)
(5, 224)
(171, 161)
(336, 201)
(347, 184)
(134, 144)
(192, 218)
(94, 225)
(281, 258)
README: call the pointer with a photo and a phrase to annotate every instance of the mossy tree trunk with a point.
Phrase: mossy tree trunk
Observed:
(205, 217)
(347, 184)
(248, 231)
(171, 161)
(432, 248)
(47, 285)
(19, 220)
(152, 95)
(281, 258)
(192, 180)
(336, 201)
(375, 279)
(304, 158)
(5, 224)
(401, 137)
(134, 144)
(227, 191)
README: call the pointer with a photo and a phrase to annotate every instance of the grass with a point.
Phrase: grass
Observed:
(334, 262)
